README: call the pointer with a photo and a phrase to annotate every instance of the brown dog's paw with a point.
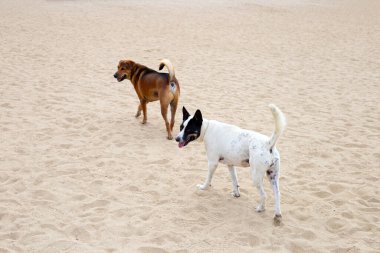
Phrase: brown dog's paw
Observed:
(170, 137)
(143, 122)
(137, 114)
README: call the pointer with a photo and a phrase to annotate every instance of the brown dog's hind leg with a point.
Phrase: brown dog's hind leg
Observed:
(138, 113)
(164, 112)
(173, 109)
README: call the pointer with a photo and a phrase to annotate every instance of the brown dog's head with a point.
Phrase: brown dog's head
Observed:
(124, 70)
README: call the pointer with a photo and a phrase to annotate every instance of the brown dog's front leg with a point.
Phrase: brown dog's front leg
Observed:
(143, 106)
(138, 113)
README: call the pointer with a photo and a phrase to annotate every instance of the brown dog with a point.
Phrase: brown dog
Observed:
(150, 86)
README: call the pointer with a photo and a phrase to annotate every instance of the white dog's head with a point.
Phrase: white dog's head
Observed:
(190, 128)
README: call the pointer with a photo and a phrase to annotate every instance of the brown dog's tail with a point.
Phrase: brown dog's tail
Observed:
(168, 64)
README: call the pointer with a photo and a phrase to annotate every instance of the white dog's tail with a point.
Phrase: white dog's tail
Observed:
(280, 124)
(169, 65)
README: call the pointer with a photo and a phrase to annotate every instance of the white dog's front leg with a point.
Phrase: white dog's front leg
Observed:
(235, 185)
(207, 183)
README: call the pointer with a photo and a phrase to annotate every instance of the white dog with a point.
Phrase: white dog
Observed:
(234, 146)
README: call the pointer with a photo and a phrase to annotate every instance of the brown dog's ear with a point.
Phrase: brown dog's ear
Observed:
(185, 113)
(198, 116)
(129, 64)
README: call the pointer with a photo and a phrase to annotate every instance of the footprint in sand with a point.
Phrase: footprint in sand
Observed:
(6, 105)
(3, 177)
(27, 238)
(52, 228)
(335, 224)
(73, 120)
(96, 183)
(151, 250)
(134, 188)
(347, 215)
(92, 129)
(370, 209)
(19, 187)
(373, 200)
(79, 197)
(42, 194)
(119, 145)
(145, 216)
(248, 239)
(338, 149)
(182, 251)
(336, 188)
(80, 234)
(105, 137)
(339, 202)
(96, 203)
(161, 161)
(10, 236)
(309, 235)
(322, 194)
(304, 166)
(65, 146)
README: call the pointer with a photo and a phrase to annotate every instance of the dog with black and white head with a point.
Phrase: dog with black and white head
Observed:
(234, 146)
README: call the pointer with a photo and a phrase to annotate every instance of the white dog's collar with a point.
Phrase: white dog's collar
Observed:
(204, 128)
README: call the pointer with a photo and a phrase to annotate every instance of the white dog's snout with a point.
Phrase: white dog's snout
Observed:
(179, 137)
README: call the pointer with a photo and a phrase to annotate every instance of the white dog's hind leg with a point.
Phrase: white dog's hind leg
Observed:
(235, 185)
(211, 170)
(277, 196)
(274, 178)
(258, 182)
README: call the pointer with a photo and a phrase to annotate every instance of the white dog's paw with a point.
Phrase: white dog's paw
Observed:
(202, 186)
(260, 208)
(235, 194)
(277, 219)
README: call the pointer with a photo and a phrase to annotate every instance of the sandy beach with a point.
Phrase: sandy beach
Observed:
(78, 173)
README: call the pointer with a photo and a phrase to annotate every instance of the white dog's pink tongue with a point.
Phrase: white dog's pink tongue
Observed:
(181, 144)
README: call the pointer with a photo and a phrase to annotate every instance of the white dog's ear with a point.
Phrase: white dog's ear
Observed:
(198, 116)
(185, 113)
